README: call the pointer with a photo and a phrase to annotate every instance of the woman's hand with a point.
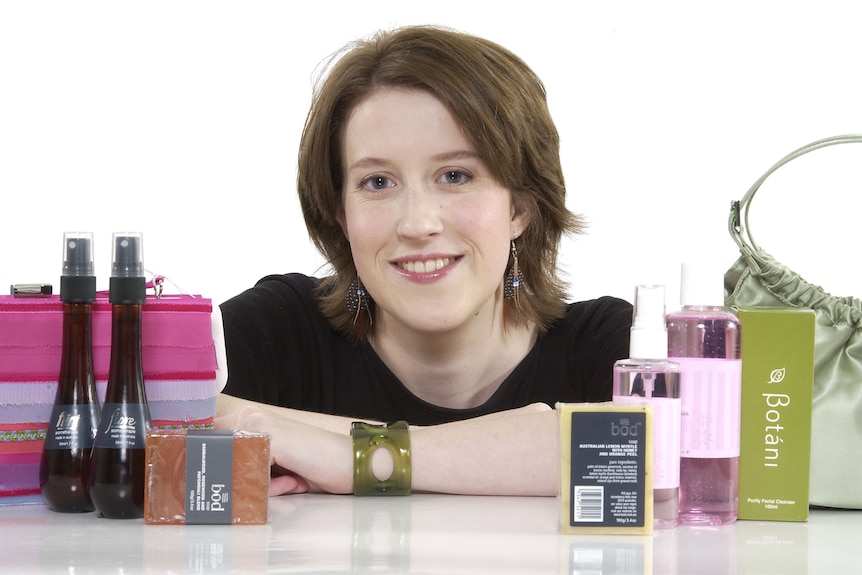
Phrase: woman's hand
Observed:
(303, 457)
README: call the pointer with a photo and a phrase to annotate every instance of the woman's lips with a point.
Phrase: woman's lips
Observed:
(425, 270)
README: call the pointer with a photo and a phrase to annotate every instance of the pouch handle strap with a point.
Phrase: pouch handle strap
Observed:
(740, 231)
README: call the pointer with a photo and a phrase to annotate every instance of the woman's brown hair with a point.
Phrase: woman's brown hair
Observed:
(502, 107)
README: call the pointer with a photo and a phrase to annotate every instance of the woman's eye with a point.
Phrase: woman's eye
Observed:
(454, 177)
(376, 183)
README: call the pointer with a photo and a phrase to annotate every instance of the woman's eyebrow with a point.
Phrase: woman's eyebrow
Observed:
(457, 155)
(371, 161)
(368, 162)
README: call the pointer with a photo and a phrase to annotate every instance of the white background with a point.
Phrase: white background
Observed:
(181, 120)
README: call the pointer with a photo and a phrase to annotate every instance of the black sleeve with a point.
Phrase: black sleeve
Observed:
(605, 341)
(581, 348)
(271, 340)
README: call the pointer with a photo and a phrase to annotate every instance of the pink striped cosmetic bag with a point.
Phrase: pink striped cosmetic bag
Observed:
(179, 359)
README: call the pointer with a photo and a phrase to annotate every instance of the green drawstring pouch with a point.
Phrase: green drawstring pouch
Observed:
(757, 279)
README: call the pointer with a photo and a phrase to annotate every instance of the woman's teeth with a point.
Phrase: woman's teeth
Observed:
(423, 267)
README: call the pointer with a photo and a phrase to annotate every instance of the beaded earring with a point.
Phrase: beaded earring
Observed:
(358, 303)
(512, 285)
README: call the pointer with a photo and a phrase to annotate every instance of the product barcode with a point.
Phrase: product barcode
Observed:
(589, 503)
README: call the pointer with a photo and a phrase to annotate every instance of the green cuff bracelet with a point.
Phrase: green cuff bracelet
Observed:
(395, 438)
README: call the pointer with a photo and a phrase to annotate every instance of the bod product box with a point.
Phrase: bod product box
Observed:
(777, 378)
(606, 481)
(207, 476)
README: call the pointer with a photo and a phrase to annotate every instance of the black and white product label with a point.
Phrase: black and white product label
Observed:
(71, 427)
(608, 469)
(123, 426)
(209, 477)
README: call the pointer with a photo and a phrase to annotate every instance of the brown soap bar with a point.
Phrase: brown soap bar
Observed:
(207, 477)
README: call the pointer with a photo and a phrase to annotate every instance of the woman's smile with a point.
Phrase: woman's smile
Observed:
(426, 269)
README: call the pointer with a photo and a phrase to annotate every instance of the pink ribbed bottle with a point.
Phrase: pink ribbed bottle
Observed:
(703, 338)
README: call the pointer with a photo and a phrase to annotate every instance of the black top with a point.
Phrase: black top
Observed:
(281, 350)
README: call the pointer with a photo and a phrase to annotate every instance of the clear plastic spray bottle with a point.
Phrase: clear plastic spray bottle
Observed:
(703, 337)
(649, 377)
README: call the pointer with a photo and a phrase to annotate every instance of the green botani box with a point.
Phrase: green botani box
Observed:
(777, 377)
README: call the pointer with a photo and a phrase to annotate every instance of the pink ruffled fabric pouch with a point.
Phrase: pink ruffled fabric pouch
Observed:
(180, 367)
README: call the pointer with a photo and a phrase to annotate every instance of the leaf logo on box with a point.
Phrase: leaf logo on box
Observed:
(777, 375)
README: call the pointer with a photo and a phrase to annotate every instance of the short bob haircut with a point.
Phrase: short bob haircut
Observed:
(502, 106)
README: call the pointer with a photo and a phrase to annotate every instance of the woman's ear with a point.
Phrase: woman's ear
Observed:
(521, 216)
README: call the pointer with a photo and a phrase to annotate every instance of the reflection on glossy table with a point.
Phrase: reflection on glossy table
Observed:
(417, 534)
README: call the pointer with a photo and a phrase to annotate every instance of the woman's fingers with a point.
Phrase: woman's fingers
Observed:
(287, 484)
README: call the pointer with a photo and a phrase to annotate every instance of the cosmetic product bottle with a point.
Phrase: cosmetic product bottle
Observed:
(65, 464)
(119, 454)
(703, 337)
(649, 377)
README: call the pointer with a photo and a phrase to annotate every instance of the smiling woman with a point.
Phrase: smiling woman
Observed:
(428, 224)
(430, 180)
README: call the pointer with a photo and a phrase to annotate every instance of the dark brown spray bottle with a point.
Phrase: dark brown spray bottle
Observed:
(65, 465)
(118, 462)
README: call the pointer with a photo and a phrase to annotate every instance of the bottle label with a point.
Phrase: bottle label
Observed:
(666, 437)
(123, 426)
(71, 427)
(711, 394)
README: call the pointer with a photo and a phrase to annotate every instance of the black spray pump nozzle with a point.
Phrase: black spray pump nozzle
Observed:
(128, 260)
(78, 254)
(78, 280)
(127, 283)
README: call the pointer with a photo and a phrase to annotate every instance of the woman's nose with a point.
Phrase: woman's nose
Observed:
(419, 212)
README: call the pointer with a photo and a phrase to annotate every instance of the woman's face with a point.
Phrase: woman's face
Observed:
(428, 225)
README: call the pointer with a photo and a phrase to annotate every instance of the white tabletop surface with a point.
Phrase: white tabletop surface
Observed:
(418, 534)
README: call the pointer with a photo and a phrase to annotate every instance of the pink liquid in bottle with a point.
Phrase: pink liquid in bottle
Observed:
(704, 340)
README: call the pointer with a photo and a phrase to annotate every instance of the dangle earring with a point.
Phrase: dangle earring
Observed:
(512, 285)
(358, 303)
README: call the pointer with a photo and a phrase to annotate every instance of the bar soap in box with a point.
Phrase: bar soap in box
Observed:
(606, 481)
(207, 477)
